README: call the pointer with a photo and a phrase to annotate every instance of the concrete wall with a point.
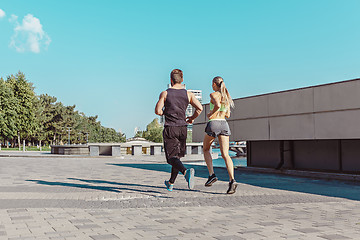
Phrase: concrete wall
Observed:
(350, 151)
(314, 128)
(269, 156)
(328, 111)
(70, 149)
(105, 150)
(316, 155)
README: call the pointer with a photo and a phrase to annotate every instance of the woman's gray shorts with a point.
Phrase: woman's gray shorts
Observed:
(217, 127)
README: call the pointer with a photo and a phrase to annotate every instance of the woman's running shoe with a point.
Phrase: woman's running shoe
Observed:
(232, 187)
(211, 180)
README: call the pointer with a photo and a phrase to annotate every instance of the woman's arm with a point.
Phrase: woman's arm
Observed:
(215, 98)
(227, 114)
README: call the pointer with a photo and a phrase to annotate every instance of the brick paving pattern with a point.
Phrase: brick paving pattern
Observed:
(47, 197)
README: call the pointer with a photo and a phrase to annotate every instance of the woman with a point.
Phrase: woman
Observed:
(217, 126)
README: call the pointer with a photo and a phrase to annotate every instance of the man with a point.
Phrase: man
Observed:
(172, 104)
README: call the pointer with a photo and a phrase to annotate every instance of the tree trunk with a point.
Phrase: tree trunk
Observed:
(40, 145)
(7, 143)
(19, 142)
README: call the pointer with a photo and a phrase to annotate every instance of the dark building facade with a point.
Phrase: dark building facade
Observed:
(313, 128)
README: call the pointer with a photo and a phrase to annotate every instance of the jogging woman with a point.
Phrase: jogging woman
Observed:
(220, 103)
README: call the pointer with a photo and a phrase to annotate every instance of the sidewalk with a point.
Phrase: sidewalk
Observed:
(113, 198)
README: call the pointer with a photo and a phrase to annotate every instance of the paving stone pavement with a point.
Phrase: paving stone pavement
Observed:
(46, 197)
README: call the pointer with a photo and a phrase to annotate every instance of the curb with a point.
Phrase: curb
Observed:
(55, 156)
(306, 174)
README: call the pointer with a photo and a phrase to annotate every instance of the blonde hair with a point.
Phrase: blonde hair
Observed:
(225, 95)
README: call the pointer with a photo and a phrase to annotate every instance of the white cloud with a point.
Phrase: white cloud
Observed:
(29, 35)
(2, 13)
(13, 18)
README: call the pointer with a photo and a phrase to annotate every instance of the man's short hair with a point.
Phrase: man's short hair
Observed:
(176, 76)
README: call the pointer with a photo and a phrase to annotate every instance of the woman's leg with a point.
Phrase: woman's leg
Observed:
(224, 148)
(208, 140)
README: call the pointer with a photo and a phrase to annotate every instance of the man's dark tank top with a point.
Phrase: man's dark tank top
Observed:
(175, 107)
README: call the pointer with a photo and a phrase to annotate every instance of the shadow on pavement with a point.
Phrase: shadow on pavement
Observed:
(200, 171)
(330, 188)
(64, 184)
(141, 185)
(101, 188)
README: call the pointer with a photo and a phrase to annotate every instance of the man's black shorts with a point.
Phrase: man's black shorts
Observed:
(175, 141)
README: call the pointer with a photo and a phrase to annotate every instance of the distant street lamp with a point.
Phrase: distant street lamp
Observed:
(87, 137)
(69, 130)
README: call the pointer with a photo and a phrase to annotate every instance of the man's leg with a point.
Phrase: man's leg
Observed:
(174, 173)
(177, 167)
(175, 146)
(189, 174)
(171, 147)
(177, 164)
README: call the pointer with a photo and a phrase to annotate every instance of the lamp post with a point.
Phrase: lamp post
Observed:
(87, 137)
(69, 130)
(79, 139)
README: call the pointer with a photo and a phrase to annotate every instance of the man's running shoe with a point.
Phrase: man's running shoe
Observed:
(169, 186)
(211, 180)
(232, 187)
(190, 177)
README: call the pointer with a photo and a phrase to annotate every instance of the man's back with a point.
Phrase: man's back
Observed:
(175, 105)
(172, 104)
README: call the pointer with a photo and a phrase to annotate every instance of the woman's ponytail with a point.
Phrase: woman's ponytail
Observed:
(225, 95)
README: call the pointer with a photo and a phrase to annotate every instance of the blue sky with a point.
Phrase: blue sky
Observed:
(112, 58)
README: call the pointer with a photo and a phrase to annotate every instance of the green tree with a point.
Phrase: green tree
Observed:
(26, 112)
(8, 114)
(139, 133)
(39, 133)
(99, 133)
(189, 137)
(42, 118)
(153, 131)
(46, 112)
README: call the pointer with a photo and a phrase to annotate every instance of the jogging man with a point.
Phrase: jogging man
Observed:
(172, 104)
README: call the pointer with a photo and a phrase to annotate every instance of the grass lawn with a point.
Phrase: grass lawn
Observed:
(27, 149)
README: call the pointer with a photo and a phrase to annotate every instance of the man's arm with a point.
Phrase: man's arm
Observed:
(160, 104)
(197, 105)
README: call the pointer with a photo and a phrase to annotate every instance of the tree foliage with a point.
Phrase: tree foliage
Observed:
(153, 131)
(25, 99)
(36, 119)
(8, 114)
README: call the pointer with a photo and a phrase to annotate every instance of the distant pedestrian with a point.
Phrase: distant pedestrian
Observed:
(220, 103)
(172, 104)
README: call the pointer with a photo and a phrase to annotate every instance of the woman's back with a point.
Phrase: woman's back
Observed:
(223, 110)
